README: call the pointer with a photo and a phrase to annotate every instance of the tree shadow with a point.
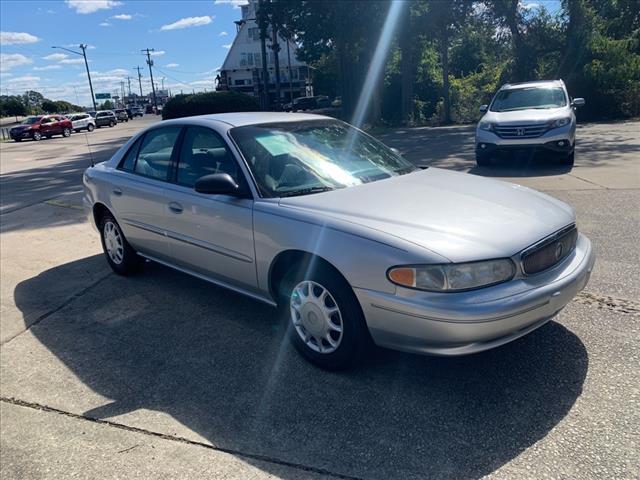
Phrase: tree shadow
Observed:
(218, 363)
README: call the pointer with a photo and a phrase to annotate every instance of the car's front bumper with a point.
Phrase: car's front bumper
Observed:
(559, 140)
(470, 322)
(20, 134)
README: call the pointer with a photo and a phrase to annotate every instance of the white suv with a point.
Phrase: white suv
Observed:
(534, 116)
(82, 121)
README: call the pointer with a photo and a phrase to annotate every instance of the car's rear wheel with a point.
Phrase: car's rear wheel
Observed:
(90, 127)
(325, 322)
(121, 256)
(112, 123)
(66, 132)
(37, 136)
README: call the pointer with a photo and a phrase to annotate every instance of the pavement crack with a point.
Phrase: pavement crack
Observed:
(175, 438)
(67, 302)
(620, 305)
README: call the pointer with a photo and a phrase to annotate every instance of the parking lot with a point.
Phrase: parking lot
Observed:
(162, 375)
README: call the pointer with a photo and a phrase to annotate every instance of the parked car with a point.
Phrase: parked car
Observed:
(533, 116)
(137, 111)
(105, 118)
(350, 240)
(41, 126)
(92, 113)
(337, 102)
(304, 103)
(121, 115)
(82, 121)
(148, 109)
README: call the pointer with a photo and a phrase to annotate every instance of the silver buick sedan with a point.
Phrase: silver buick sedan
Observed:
(352, 242)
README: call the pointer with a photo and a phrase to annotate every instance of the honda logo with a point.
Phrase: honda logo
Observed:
(520, 131)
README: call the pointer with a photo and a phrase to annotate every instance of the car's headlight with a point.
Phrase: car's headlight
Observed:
(485, 126)
(453, 277)
(561, 122)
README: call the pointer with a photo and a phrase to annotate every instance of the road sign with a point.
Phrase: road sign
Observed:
(103, 96)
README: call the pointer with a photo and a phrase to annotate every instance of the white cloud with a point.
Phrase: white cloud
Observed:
(223, 34)
(122, 16)
(188, 22)
(24, 79)
(47, 67)
(530, 5)
(172, 65)
(105, 24)
(56, 57)
(157, 53)
(91, 6)
(227, 46)
(12, 60)
(235, 3)
(72, 61)
(15, 38)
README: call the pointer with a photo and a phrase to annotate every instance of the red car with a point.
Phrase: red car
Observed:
(42, 126)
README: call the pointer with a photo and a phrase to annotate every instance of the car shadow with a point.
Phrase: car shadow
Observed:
(219, 364)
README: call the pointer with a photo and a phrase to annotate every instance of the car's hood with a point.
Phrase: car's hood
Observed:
(460, 216)
(524, 117)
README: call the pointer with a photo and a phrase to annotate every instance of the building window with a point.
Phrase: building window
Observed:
(243, 59)
(254, 34)
(239, 82)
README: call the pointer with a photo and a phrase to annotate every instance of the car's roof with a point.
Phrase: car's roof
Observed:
(239, 119)
(537, 83)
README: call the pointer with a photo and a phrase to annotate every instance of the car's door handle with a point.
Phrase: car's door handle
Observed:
(175, 207)
(117, 191)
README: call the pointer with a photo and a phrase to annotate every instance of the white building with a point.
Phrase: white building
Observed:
(242, 68)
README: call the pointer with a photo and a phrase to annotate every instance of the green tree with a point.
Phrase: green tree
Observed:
(12, 106)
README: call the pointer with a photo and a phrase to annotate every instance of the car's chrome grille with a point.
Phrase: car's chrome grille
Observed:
(550, 251)
(521, 131)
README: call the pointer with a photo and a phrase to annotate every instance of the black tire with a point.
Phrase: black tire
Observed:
(66, 132)
(354, 338)
(98, 126)
(36, 136)
(130, 262)
(17, 139)
(77, 130)
(112, 123)
(483, 160)
(569, 159)
(90, 127)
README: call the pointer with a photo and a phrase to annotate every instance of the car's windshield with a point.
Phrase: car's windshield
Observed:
(297, 158)
(529, 97)
(31, 120)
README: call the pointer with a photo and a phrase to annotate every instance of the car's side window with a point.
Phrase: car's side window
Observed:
(155, 153)
(204, 152)
(129, 160)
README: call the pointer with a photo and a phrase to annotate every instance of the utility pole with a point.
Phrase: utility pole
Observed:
(129, 84)
(162, 80)
(122, 90)
(83, 47)
(139, 80)
(153, 88)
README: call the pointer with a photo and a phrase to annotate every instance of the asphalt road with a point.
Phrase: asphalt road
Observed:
(164, 376)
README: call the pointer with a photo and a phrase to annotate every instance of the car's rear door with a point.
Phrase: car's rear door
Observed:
(138, 191)
(210, 234)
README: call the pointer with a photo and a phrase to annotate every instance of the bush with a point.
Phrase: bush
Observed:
(209, 102)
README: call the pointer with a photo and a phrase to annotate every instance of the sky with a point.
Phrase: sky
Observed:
(190, 38)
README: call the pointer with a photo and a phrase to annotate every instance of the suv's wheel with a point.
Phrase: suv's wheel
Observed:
(90, 127)
(325, 322)
(112, 123)
(37, 136)
(482, 159)
(121, 256)
(569, 159)
(66, 132)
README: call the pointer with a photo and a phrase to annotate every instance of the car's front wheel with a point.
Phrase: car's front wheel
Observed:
(482, 159)
(37, 136)
(90, 127)
(122, 258)
(569, 159)
(112, 123)
(325, 322)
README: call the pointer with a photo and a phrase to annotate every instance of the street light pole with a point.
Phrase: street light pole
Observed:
(83, 47)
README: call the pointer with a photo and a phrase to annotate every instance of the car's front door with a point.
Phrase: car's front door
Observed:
(47, 126)
(210, 234)
(138, 191)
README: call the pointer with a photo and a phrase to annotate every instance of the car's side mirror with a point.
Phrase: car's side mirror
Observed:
(578, 102)
(217, 183)
(483, 108)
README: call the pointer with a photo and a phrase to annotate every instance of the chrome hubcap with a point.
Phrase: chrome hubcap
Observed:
(316, 317)
(113, 242)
